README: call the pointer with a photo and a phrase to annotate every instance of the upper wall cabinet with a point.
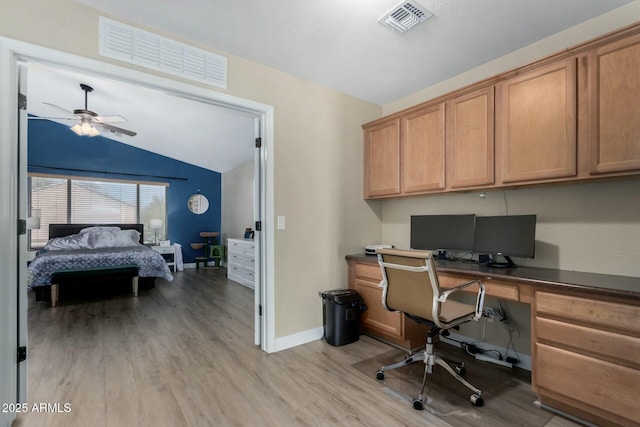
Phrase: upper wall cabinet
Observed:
(615, 106)
(572, 116)
(382, 159)
(536, 123)
(470, 139)
(423, 150)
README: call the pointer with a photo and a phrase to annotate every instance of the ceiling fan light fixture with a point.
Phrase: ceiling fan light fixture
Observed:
(85, 129)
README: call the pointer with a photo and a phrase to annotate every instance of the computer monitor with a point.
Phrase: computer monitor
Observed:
(442, 232)
(507, 236)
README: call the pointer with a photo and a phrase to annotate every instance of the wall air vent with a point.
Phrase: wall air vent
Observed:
(135, 46)
(404, 16)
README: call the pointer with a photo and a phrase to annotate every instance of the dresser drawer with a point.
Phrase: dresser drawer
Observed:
(235, 258)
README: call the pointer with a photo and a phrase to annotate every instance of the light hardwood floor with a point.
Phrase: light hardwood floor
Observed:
(182, 354)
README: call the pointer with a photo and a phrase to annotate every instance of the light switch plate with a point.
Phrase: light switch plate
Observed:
(281, 222)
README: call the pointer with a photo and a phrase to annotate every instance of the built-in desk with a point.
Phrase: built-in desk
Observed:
(585, 331)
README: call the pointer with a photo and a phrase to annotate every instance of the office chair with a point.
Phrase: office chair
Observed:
(410, 285)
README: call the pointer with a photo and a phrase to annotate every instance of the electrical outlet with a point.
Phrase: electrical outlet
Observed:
(489, 313)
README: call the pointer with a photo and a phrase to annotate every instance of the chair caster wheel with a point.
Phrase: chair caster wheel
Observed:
(476, 400)
(461, 370)
(380, 375)
(418, 405)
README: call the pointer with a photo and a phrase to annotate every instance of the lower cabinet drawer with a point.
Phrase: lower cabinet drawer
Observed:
(491, 287)
(603, 314)
(603, 344)
(369, 271)
(600, 387)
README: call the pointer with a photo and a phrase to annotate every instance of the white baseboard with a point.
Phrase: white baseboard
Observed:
(525, 359)
(300, 338)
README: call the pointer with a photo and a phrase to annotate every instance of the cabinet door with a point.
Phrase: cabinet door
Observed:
(470, 139)
(377, 318)
(382, 159)
(423, 150)
(615, 108)
(536, 123)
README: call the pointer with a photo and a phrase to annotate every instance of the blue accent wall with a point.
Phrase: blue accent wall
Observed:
(55, 149)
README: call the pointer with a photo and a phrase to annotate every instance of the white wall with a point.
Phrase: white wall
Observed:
(593, 227)
(237, 201)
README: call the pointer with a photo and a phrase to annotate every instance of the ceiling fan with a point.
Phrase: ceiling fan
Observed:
(89, 122)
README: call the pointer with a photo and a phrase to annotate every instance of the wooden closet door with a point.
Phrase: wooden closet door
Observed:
(423, 150)
(470, 139)
(536, 123)
(615, 108)
(382, 159)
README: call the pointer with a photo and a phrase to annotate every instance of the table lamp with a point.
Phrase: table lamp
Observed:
(156, 224)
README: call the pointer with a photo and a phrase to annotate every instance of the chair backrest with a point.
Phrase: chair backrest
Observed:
(414, 290)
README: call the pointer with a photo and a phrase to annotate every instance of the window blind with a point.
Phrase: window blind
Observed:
(50, 196)
(74, 200)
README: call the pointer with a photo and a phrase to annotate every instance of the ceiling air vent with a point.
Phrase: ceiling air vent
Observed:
(135, 46)
(404, 16)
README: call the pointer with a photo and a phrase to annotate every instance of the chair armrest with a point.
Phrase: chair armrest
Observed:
(479, 299)
(443, 296)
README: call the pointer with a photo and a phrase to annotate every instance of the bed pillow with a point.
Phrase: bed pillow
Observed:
(98, 229)
(73, 241)
(114, 239)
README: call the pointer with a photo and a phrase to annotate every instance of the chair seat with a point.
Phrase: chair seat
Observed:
(453, 310)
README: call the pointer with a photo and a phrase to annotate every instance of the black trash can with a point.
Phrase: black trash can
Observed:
(341, 315)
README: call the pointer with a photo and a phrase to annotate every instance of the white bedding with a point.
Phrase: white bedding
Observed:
(96, 238)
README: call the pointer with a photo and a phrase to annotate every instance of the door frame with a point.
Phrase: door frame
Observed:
(13, 51)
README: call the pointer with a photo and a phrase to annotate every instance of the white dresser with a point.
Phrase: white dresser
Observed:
(241, 260)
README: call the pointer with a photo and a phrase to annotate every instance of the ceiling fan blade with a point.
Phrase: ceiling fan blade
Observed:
(51, 118)
(117, 130)
(109, 119)
(59, 108)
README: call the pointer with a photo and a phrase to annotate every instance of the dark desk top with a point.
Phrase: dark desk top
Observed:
(603, 284)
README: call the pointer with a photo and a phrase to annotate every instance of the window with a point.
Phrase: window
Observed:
(73, 200)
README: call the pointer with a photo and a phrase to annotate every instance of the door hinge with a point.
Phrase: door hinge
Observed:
(258, 142)
(22, 354)
(260, 310)
(22, 227)
(258, 225)
(22, 101)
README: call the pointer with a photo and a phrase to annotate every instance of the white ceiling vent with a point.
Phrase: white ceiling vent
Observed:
(404, 16)
(135, 46)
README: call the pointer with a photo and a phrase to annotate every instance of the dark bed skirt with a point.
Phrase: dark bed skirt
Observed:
(94, 287)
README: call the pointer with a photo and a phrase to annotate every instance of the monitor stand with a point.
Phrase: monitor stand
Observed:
(508, 263)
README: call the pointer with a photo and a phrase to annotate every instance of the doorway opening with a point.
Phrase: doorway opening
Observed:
(14, 53)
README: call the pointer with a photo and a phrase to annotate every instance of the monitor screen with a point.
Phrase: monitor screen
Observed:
(446, 232)
(513, 235)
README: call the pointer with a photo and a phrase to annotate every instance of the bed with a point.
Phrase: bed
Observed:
(88, 253)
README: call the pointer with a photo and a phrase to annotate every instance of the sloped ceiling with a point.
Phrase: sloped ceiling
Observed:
(204, 135)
